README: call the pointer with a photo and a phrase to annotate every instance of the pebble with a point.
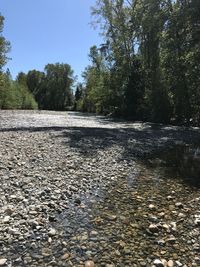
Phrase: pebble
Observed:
(158, 263)
(153, 228)
(171, 207)
(6, 219)
(178, 263)
(171, 239)
(46, 252)
(197, 222)
(111, 217)
(153, 218)
(3, 262)
(52, 232)
(179, 205)
(170, 263)
(66, 201)
(93, 233)
(152, 207)
(89, 264)
(65, 256)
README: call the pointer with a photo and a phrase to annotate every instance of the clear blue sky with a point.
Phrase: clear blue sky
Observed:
(48, 31)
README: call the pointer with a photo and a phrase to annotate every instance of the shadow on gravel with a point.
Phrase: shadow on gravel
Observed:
(135, 142)
(176, 152)
(32, 129)
(138, 140)
(174, 148)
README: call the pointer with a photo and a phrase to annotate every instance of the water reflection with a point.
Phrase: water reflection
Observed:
(181, 161)
(111, 222)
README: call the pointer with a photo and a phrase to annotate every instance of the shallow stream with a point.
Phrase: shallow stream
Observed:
(112, 224)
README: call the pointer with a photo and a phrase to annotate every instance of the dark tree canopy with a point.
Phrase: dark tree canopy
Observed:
(148, 67)
(53, 87)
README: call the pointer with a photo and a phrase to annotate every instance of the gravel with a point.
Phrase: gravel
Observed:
(76, 192)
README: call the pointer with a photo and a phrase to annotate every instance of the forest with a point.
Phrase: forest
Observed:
(147, 67)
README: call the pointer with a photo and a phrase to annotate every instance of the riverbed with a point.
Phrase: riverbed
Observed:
(79, 189)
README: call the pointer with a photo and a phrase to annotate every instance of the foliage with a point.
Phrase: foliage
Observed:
(14, 95)
(148, 67)
(4, 45)
(53, 87)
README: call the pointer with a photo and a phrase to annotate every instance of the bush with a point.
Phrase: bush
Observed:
(16, 96)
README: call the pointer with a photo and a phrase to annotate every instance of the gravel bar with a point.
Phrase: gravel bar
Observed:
(75, 191)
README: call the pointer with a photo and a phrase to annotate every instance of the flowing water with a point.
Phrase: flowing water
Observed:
(181, 162)
(112, 226)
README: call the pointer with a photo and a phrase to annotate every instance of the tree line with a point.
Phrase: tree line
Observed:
(148, 67)
(52, 88)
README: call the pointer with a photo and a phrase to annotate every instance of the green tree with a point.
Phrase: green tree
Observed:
(120, 81)
(78, 97)
(52, 88)
(4, 49)
(22, 78)
(4, 45)
(58, 82)
(36, 84)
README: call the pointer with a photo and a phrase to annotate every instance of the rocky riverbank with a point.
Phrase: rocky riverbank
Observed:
(74, 192)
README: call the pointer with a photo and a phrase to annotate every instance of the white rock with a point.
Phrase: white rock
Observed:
(164, 262)
(2, 261)
(173, 225)
(170, 263)
(52, 232)
(89, 264)
(181, 215)
(169, 197)
(6, 219)
(166, 226)
(171, 239)
(152, 207)
(93, 233)
(178, 263)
